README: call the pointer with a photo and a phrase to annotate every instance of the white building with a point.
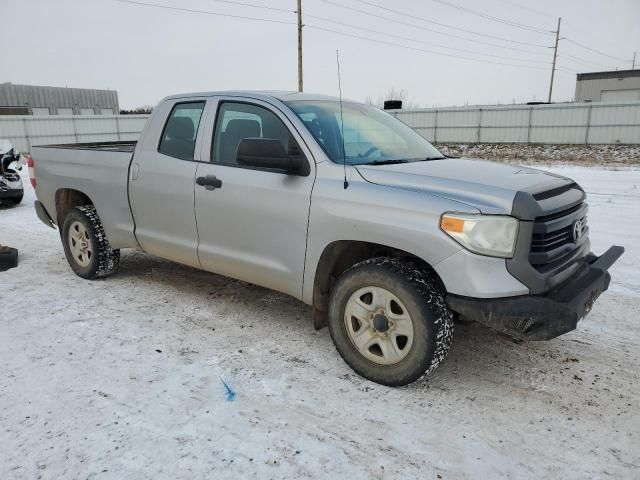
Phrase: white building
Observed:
(615, 86)
(37, 100)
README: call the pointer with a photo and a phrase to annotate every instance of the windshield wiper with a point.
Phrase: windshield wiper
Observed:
(384, 162)
(432, 158)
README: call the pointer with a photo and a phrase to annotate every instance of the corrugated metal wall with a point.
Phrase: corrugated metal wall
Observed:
(591, 90)
(34, 96)
(571, 123)
(585, 123)
(25, 131)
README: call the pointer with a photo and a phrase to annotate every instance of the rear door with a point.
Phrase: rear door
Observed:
(162, 182)
(252, 223)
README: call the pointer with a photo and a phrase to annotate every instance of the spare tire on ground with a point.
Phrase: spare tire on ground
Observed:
(8, 258)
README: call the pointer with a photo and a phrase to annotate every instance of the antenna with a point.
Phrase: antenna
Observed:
(344, 155)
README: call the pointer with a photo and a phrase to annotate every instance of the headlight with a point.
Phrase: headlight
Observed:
(493, 235)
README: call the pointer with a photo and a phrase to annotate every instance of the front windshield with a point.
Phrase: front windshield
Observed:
(370, 135)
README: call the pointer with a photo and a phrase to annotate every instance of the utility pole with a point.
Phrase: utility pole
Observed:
(300, 89)
(633, 64)
(555, 55)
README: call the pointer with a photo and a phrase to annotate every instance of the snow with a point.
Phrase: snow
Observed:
(122, 377)
(590, 155)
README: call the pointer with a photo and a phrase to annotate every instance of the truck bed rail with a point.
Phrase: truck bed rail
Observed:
(105, 146)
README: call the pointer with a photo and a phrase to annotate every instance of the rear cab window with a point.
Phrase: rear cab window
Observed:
(178, 138)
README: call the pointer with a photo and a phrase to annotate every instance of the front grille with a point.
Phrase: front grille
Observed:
(561, 214)
(545, 242)
(553, 239)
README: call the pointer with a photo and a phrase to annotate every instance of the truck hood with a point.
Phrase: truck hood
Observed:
(488, 186)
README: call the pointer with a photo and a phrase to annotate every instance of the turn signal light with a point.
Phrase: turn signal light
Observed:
(451, 224)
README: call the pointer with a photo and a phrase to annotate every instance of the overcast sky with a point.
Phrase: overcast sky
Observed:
(146, 52)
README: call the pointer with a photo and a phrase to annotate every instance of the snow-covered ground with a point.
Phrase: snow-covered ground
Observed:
(121, 378)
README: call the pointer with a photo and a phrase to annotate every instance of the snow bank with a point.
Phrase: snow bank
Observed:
(549, 154)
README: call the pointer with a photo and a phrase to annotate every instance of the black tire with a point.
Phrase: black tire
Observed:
(104, 260)
(15, 200)
(431, 318)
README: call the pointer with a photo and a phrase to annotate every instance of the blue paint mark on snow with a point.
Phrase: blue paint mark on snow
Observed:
(231, 395)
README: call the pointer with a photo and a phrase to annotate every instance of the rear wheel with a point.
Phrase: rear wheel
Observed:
(389, 321)
(86, 246)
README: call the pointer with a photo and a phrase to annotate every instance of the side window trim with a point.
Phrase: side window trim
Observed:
(220, 101)
(198, 133)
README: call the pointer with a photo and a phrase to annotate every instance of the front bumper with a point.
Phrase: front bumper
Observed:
(10, 192)
(10, 185)
(542, 317)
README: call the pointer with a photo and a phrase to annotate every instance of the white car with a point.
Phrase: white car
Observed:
(11, 190)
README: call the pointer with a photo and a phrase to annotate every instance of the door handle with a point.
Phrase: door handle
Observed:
(209, 182)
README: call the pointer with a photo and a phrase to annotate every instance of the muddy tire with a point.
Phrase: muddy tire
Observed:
(389, 321)
(86, 246)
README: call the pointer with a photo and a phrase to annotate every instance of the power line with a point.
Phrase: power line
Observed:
(415, 17)
(451, 35)
(532, 10)
(378, 32)
(584, 61)
(596, 51)
(491, 17)
(526, 27)
(407, 47)
(253, 5)
(205, 12)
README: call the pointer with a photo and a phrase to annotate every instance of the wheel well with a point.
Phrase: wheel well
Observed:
(338, 257)
(66, 199)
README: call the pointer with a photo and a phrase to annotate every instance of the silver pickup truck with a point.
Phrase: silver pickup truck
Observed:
(340, 205)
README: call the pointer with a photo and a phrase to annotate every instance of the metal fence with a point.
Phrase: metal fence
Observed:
(571, 123)
(26, 131)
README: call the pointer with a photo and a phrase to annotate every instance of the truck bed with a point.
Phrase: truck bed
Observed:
(128, 147)
(99, 170)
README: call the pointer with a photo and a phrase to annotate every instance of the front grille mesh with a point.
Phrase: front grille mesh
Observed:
(553, 237)
(545, 242)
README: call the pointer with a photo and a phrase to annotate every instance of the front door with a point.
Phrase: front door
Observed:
(252, 223)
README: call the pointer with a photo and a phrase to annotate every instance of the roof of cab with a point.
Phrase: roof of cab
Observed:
(284, 96)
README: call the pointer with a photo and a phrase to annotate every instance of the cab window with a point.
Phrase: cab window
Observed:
(237, 121)
(179, 134)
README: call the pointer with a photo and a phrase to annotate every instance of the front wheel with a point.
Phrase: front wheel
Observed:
(85, 244)
(389, 321)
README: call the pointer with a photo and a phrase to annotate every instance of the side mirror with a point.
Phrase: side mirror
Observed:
(269, 153)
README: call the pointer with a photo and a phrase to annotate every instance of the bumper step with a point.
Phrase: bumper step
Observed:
(542, 317)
